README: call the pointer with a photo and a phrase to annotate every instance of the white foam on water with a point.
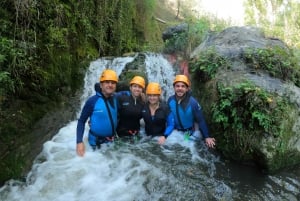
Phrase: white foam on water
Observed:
(115, 172)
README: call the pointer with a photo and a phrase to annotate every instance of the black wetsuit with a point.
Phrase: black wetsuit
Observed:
(161, 123)
(130, 114)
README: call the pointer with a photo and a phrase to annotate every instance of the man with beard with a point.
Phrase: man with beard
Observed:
(187, 110)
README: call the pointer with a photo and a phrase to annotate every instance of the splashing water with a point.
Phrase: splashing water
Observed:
(178, 170)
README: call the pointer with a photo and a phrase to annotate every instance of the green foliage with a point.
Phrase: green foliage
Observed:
(277, 61)
(46, 45)
(207, 64)
(279, 19)
(246, 113)
(44, 50)
(197, 31)
(177, 43)
(7, 85)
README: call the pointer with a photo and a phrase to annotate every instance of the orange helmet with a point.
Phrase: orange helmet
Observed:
(182, 78)
(138, 80)
(153, 88)
(108, 75)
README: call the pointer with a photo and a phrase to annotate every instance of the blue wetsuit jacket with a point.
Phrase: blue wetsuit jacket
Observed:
(189, 111)
(100, 123)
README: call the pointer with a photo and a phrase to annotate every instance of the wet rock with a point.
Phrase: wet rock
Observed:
(273, 151)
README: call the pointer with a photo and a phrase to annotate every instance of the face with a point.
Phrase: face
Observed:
(136, 90)
(108, 87)
(180, 89)
(153, 99)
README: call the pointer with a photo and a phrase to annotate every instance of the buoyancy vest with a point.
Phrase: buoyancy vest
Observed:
(100, 122)
(96, 110)
(187, 112)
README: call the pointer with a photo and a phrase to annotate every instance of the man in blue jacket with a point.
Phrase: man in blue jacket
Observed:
(101, 110)
(187, 110)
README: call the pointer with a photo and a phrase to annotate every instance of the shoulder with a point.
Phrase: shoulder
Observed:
(194, 103)
(193, 100)
(171, 98)
(122, 95)
(164, 105)
(92, 100)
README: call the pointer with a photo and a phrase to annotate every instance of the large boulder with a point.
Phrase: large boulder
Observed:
(172, 31)
(136, 67)
(249, 88)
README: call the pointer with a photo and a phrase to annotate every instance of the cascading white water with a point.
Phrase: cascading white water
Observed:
(95, 70)
(161, 71)
(178, 170)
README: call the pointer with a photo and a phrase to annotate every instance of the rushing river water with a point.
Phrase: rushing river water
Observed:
(178, 170)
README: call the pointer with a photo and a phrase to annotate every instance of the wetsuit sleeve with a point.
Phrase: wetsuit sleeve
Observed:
(122, 93)
(85, 114)
(170, 124)
(119, 96)
(198, 114)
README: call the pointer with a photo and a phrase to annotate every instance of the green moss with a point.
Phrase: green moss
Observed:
(12, 167)
(207, 64)
(43, 60)
(246, 114)
(277, 61)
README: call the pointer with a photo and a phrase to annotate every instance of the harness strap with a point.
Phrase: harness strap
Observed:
(110, 117)
(185, 130)
(100, 140)
(133, 132)
(178, 116)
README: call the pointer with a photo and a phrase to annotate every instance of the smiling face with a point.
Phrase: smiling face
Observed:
(108, 87)
(153, 99)
(136, 90)
(180, 89)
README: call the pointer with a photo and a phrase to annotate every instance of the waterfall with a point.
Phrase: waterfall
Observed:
(178, 170)
(161, 71)
(94, 71)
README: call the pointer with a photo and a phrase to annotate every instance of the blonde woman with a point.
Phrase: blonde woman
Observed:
(158, 118)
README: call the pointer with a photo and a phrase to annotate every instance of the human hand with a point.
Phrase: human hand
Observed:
(161, 140)
(210, 142)
(80, 149)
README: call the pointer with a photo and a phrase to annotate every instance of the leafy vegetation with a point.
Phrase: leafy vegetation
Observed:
(45, 47)
(207, 64)
(245, 114)
(277, 61)
(196, 32)
(279, 19)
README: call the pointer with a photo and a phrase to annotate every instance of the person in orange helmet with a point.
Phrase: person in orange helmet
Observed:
(187, 110)
(158, 118)
(101, 110)
(130, 105)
